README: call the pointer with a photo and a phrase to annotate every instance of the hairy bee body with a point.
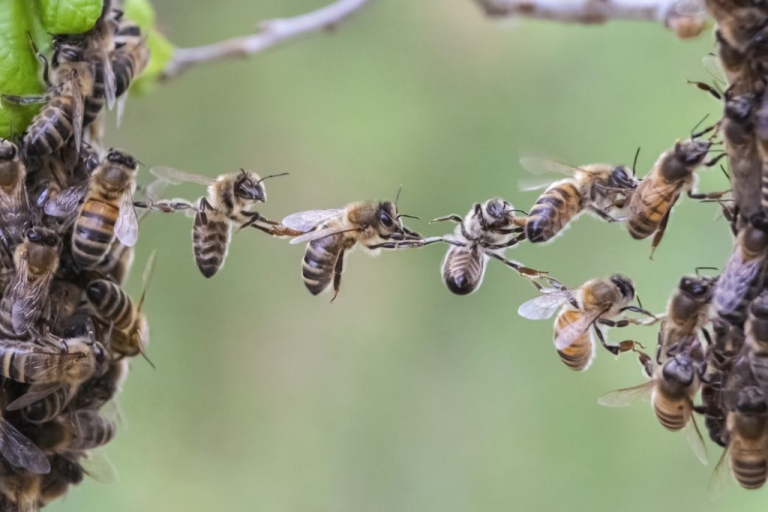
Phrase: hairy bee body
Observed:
(211, 235)
(748, 444)
(34, 364)
(95, 101)
(687, 311)
(580, 354)
(560, 203)
(321, 259)
(463, 269)
(14, 207)
(52, 405)
(52, 127)
(111, 303)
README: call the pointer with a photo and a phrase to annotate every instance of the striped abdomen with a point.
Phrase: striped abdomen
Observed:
(51, 128)
(116, 263)
(552, 211)
(673, 414)
(92, 430)
(748, 462)
(111, 303)
(319, 263)
(463, 269)
(124, 64)
(95, 101)
(51, 405)
(94, 231)
(714, 417)
(738, 285)
(210, 241)
(649, 204)
(27, 363)
(578, 356)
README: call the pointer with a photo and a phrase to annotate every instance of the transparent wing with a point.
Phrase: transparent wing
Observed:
(736, 282)
(20, 451)
(529, 185)
(321, 233)
(691, 7)
(721, 479)
(110, 85)
(36, 393)
(536, 165)
(306, 221)
(121, 101)
(26, 310)
(626, 396)
(65, 202)
(544, 306)
(97, 465)
(176, 177)
(696, 442)
(573, 331)
(79, 111)
(127, 225)
(46, 367)
(713, 67)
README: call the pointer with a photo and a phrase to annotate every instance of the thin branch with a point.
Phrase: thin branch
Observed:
(271, 33)
(686, 17)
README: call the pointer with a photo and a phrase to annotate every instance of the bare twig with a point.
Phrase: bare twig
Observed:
(685, 17)
(271, 33)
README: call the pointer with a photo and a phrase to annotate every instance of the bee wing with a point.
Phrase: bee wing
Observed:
(110, 86)
(127, 225)
(690, 7)
(20, 451)
(97, 465)
(321, 233)
(306, 221)
(79, 112)
(65, 202)
(536, 165)
(41, 364)
(176, 177)
(27, 308)
(36, 393)
(696, 442)
(573, 331)
(721, 479)
(544, 306)
(626, 396)
(736, 282)
(713, 67)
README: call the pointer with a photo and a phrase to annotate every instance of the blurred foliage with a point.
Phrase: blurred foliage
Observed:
(401, 396)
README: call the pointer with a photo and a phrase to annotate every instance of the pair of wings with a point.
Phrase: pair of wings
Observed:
(628, 396)
(309, 223)
(20, 452)
(544, 306)
(67, 202)
(26, 298)
(543, 166)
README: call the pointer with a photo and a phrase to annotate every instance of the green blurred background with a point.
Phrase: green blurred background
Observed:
(400, 395)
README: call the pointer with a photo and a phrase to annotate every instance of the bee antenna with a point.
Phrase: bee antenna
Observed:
(271, 176)
(402, 215)
(704, 268)
(634, 163)
(144, 355)
(722, 168)
(397, 197)
(639, 302)
(693, 131)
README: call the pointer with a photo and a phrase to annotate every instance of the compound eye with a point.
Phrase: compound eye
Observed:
(32, 235)
(386, 220)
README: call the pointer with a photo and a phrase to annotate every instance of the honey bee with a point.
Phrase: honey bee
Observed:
(229, 201)
(738, 129)
(113, 306)
(16, 448)
(672, 174)
(747, 449)
(26, 295)
(594, 303)
(99, 390)
(486, 232)
(106, 212)
(73, 432)
(14, 206)
(20, 492)
(687, 311)
(52, 404)
(757, 340)
(672, 388)
(743, 277)
(129, 58)
(62, 116)
(600, 189)
(331, 234)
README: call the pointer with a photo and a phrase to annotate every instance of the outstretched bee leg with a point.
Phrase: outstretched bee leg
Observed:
(600, 213)
(624, 346)
(457, 219)
(520, 269)
(338, 269)
(710, 195)
(652, 318)
(413, 244)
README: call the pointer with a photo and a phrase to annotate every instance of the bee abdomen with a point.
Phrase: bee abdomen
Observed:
(51, 406)
(210, 241)
(318, 265)
(750, 468)
(111, 303)
(671, 414)
(463, 270)
(95, 102)
(94, 232)
(51, 128)
(647, 217)
(552, 211)
(123, 67)
(578, 356)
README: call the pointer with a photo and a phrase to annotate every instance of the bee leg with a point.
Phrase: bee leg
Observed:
(520, 269)
(457, 219)
(25, 100)
(707, 88)
(711, 195)
(600, 213)
(413, 244)
(653, 318)
(613, 349)
(479, 214)
(337, 275)
(660, 230)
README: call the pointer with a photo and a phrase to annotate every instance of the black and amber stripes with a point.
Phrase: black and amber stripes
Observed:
(748, 462)
(111, 303)
(94, 232)
(673, 414)
(578, 356)
(51, 128)
(648, 207)
(96, 100)
(552, 211)
(319, 263)
(50, 406)
(463, 269)
(210, 241)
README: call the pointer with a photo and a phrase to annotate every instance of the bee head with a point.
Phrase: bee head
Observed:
(691, 152)
(42, 236)
(101, 357)
(387, 218)
(8, 150)
(680, 369)
(248, 187)
(750, 400)
(620, 178)
(67, 49)
(759, 307)
(624, 284)
(697, 287)
(118, 157)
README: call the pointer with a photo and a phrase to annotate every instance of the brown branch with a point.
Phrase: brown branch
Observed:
(271, 33)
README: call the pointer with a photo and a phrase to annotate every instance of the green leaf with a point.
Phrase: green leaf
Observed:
(69, 16)
(161, 50)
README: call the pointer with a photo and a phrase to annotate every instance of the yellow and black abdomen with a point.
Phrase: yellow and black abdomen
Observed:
(672, 413)
(51, 128)
(49, 407)
(319, 263)
(577, 356)
(111, 303)
(748, 462)
(210, 241)
(463, 269)
(649, 204)
(95, 101)
(552, 211)
(94, 231)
